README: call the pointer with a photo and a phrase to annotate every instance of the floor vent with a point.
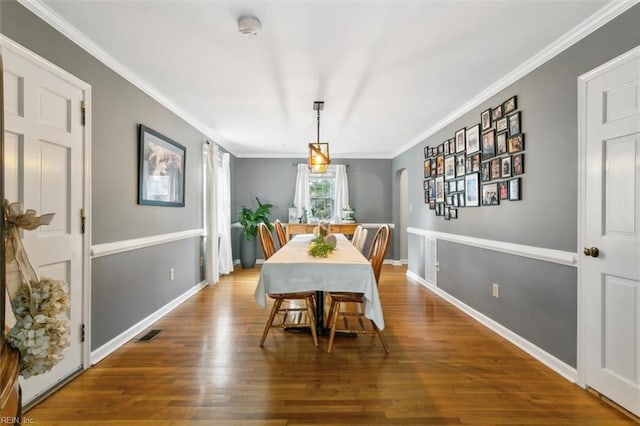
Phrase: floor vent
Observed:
(150, 335)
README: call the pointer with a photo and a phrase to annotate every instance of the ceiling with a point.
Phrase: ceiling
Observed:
(389, 72)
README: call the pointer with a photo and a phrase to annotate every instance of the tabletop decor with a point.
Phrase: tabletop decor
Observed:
(41, 332)
(324, 243)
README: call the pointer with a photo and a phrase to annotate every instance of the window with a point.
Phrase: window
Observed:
(322, 194)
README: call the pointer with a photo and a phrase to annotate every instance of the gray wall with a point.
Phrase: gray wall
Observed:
(546, 216)
(125, 288)
(273, 181)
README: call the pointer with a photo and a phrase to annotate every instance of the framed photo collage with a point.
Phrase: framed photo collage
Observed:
(480, 166)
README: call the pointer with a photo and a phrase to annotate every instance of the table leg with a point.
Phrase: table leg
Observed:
(321, 330)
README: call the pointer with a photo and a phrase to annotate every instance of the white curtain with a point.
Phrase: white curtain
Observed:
(225, 260)
(342, 190)
(210, 158)
(301, 195)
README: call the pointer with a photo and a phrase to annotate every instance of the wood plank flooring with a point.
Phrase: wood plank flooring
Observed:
(206, 368)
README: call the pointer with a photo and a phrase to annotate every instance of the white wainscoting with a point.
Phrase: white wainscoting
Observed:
(430, 281)
(541, 355)
(100, 353)
(107, 249)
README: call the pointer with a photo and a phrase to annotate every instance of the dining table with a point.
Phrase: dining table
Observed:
(292, 269)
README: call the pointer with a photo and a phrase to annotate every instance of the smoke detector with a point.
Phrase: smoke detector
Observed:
(249, 25)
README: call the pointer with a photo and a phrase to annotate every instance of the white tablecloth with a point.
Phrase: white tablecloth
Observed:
(291, 269)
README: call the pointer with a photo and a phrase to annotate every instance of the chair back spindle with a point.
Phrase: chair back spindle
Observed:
(282, 236)
(378, 249)
(266, 241)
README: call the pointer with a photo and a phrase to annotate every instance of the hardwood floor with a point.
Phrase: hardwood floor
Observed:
(206, 368)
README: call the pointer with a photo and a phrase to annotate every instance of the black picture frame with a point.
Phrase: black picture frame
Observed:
(475, 163)
(460, 165)
(440, 189)
(452, 146)
(501, 143)
(427, 168)
(515, 143)
(514, 123)
(468, 164)
(449, 167)
(488, 145)
(453, 213)
(490, 196)
(496, 113)
(515, 190)
(510, 104)
(505, 166)
(434, 170)
(461, 140)
(472, 136)
(472, 190)
(446, 147)
(485, 119)
(502, 125)
(447, 213)
(440, 165)
(161, 169)
(517, 164)
(427, 152)
(503, 190)
(495, 168)
(432, 204)
(461, 199)
(485, 171)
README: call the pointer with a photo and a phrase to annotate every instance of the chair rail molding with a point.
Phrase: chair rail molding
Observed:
(548, 255)
(107, 249)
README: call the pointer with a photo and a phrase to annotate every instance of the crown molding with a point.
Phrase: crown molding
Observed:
(302, 156)
(597, 20)
(44, 12)
(591, 24)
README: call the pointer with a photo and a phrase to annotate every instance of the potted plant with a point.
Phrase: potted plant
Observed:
(250, 219)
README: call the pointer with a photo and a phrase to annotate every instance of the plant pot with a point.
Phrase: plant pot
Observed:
(247, 252)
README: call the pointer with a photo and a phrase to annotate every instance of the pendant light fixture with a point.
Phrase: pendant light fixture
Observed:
(318, 152)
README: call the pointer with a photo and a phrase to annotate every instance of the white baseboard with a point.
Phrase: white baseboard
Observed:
(541, 355)
(103, 351)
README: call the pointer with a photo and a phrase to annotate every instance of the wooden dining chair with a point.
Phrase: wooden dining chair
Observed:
(359, 238)
(282, 236)
(377, 251)
(268, 248)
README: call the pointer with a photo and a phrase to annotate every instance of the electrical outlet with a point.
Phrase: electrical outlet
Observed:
(496, 290)
(172, 274)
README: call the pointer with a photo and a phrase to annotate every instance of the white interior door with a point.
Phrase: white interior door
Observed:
(44, 170)
(610, 278)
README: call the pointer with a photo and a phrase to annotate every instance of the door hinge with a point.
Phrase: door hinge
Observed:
(82, 333)
(83, 219)
(83, 113)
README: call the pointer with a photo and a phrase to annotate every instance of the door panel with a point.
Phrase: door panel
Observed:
(45, 142)
(611, 213)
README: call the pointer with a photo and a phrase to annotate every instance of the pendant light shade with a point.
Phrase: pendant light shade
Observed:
(318, 152)
(318, 157)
